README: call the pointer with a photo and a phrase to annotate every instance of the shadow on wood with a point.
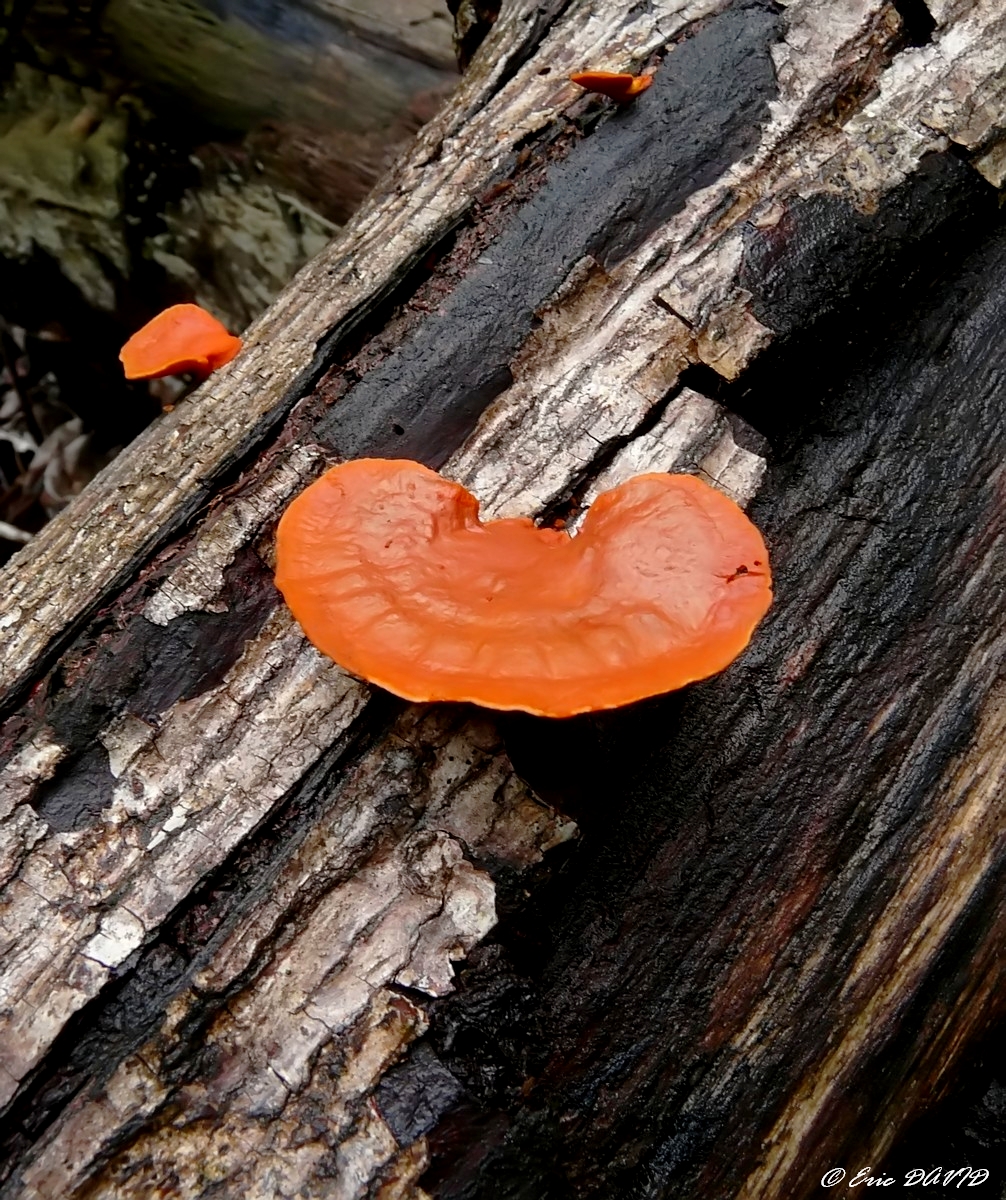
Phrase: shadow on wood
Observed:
(774, 927)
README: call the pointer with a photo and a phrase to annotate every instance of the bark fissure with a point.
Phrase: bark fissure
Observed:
(290, 866)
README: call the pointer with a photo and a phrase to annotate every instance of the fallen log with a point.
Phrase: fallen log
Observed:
(235, 879)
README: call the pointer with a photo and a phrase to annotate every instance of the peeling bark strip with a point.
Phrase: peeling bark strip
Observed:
(196, 806)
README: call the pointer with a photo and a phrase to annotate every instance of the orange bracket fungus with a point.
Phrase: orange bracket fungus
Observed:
(614, 84)
(182, 338)
(390, 572)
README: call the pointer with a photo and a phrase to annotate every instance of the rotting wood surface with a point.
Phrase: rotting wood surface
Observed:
(233, 878)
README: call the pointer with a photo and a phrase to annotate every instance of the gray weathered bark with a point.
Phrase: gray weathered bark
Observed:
(233, 877)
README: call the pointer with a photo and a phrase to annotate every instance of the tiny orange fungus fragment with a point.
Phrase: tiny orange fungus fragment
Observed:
(618, 86)
(182, 338)
(390, 572)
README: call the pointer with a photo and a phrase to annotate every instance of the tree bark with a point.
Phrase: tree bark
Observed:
(235, 878)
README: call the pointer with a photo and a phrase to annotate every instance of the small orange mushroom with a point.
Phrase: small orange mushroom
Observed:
(618, 86)
(182, 338)
(390, 572)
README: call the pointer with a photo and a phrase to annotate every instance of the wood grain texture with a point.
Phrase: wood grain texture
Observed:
(293, 1005)
(109, 776)
(239, 704)
(767, 957)
(199, 810)
(165, 476)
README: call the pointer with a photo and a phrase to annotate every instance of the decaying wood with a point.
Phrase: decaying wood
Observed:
(169, 472)
(247, 742)
(377, 891)
(195, 804)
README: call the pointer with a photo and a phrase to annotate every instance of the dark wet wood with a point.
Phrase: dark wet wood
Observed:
(787, 911)
(234, 879)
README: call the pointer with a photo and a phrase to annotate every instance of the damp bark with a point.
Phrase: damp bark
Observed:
(266, 931)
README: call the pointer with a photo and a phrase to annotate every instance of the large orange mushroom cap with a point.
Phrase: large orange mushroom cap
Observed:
(390, 572)
(182, 338)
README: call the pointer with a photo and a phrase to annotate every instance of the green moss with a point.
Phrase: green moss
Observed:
(61, 144)
(248, 240)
